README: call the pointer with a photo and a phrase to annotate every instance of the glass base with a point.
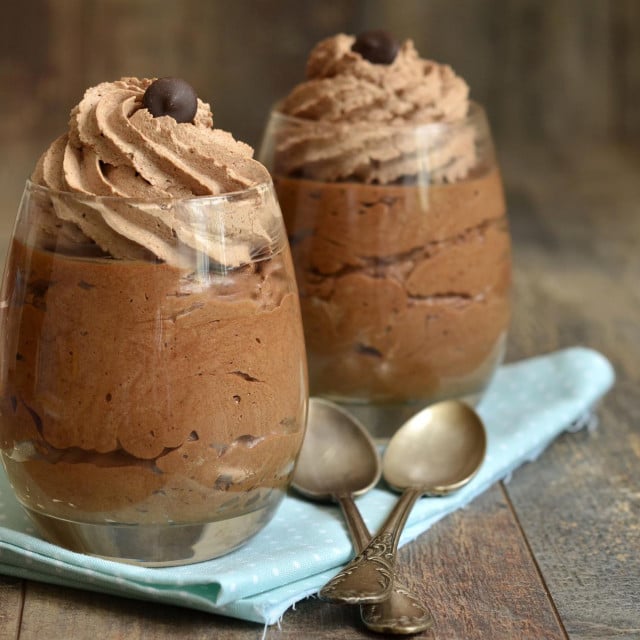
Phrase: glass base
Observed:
(383, 420)
(162, 545)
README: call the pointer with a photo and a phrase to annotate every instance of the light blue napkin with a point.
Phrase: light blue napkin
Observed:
(528, 404)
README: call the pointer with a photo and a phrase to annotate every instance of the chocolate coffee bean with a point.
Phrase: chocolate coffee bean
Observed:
(377, 46)
(171, 97)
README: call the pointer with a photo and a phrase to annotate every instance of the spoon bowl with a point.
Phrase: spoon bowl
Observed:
(439, 449)
(337, 457)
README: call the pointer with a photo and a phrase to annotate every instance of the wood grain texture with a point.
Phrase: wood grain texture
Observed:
(577, 231)
(563, 70)
(476, 573)
(11, 599)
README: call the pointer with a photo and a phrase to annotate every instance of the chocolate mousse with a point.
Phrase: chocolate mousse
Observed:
(153, 367)
(395, 212)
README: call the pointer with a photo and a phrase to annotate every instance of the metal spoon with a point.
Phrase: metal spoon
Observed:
(435, 452)
(339, 460)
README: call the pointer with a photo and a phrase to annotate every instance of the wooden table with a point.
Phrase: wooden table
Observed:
(555, 552)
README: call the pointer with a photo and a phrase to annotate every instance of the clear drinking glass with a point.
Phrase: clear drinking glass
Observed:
(151, 409)
(401, 247)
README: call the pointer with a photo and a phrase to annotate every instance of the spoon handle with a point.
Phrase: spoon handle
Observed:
(357, 528)
(368, 578)
(402, 613)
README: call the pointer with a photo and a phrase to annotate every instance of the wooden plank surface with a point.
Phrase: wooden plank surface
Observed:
(577, 229)
(476, 572)
(11, 599)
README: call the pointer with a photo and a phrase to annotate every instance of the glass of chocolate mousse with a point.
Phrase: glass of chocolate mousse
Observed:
(394, 207)
(153, 376)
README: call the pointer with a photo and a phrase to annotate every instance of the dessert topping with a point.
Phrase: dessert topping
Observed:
(171, 97)
(117, 147)
(377, 46)
(355, 114)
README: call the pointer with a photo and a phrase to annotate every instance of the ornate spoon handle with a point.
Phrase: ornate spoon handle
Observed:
(402, 613)
(368, 578)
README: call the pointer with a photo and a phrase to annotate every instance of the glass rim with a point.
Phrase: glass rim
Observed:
(257, 189)
(475, 112)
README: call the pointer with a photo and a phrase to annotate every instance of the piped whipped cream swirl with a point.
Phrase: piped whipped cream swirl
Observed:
(355, 120)
(116, 148)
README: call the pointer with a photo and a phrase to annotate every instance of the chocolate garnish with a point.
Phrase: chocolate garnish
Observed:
(171, 97)
(377, 46)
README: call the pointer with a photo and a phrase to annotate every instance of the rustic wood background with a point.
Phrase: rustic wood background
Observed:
(565, 71)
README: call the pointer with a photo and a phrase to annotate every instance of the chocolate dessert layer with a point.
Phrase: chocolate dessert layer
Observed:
(404, 288)
(139, 392)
